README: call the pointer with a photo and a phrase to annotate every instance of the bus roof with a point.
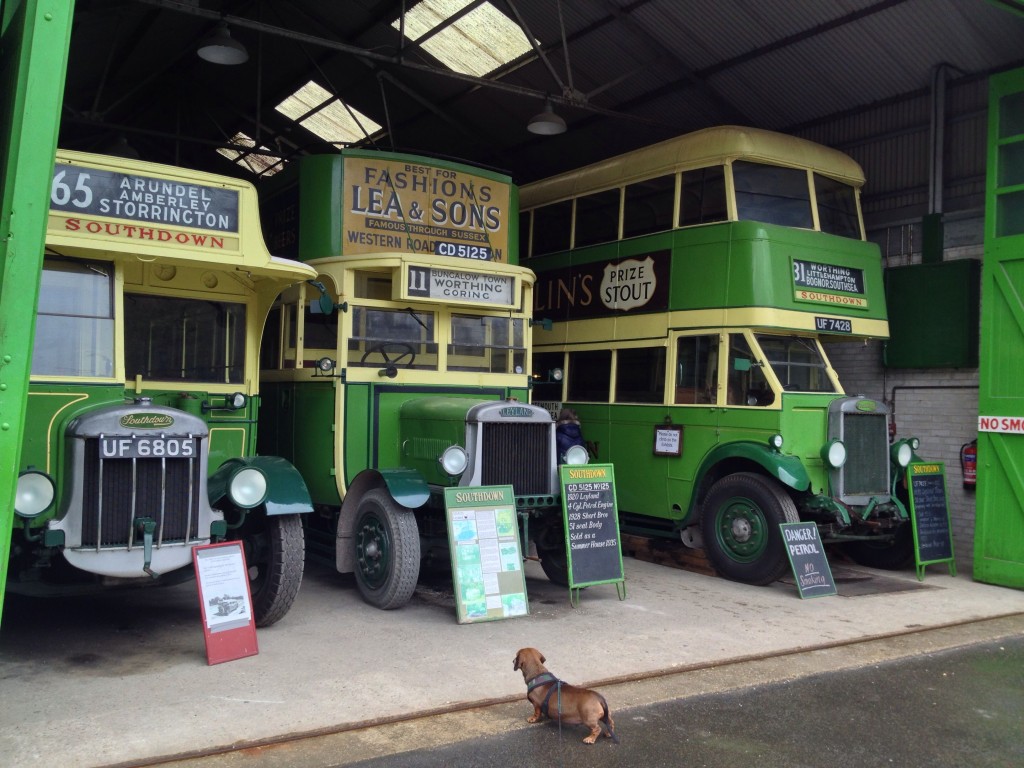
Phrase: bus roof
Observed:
(134, 209)
(710, 146)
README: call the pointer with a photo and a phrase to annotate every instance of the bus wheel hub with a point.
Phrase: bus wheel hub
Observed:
(742, 530)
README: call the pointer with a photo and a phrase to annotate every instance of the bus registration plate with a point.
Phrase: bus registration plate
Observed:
(833, 325)
(148, 447)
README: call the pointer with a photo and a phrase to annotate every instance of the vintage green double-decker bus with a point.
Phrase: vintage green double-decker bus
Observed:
(690, 284)
(140, 431)
(402, 368)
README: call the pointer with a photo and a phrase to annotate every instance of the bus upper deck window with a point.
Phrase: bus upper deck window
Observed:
(589, 376)
(169, 338)
(404, 337)
(640, 375)
(772, 194)
(702, 199)
(797, 363)
(486, 343)
(648, 206)
(597, 218)
(75, 320)
(837, 207)
(546, 376)
(552, 225)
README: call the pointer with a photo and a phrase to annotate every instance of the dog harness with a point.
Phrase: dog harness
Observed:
(546, 678)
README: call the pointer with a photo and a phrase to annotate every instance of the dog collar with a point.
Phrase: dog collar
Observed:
(544, 678)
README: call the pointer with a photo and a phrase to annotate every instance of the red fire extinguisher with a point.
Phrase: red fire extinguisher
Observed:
(969, 463)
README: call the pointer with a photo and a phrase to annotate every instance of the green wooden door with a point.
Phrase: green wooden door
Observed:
(999, 526)
(34, 39)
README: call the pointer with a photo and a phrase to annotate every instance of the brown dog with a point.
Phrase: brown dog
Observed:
(560, 701)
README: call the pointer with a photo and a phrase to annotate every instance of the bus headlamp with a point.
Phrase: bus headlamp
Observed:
(775, 441)
(577, 454)
(34, 494)
(834, 453)
(555, 374)
(915, 443)
(248, 487)
(454, 460)
(901, 453)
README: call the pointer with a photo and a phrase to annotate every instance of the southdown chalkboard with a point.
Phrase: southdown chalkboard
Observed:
(929, 515)
(593, 542)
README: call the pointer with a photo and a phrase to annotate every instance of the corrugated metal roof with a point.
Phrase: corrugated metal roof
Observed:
(643, 71)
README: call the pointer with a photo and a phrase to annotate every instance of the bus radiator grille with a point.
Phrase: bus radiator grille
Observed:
(866, 471)
(164, 490)
(517, 454)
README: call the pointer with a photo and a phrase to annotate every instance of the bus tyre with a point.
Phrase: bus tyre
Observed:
(387, 550)
(555, 563)
(274, 557)
(740, 520)
(892, 555)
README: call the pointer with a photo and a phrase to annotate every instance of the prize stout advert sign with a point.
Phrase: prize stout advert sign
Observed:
(487, 562)
(807, 559)
(397, 205)
(593, 543)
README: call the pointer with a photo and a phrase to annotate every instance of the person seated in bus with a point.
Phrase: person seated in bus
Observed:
(567, 432)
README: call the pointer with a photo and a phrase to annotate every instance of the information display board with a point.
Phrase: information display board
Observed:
(487, 561)
(807, 559)
(593, 541)
(225, 601)
(929, 514)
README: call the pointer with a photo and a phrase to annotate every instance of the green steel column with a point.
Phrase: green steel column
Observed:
(33, 61)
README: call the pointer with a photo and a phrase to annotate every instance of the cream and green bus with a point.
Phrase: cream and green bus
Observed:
(690, 284)
(402, 368)
(140, 429)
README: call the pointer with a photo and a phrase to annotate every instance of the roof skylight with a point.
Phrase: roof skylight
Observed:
(259, 163)
(476, 44)
(333, 121)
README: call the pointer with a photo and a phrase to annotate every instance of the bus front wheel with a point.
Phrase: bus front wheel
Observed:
(740, 520)
(387, 550)
(274, 556)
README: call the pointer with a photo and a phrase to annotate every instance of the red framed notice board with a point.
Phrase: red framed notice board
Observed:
(226, 603)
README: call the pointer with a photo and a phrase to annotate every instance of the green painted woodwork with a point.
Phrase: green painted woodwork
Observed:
(33, 60)
(999, 521)
(933, 311)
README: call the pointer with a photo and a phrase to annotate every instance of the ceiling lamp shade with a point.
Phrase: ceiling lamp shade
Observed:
(221, 48)
(546, 122)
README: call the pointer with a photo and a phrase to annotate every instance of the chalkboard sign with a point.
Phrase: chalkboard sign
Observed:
(487, 562)
(593, 542)
(929, 515)
(807, 559)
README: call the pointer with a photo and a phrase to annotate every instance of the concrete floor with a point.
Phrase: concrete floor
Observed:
(122, 679)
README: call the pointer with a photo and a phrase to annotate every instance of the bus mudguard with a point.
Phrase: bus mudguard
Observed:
(406, 486)
(788, 470)
(286, 490)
